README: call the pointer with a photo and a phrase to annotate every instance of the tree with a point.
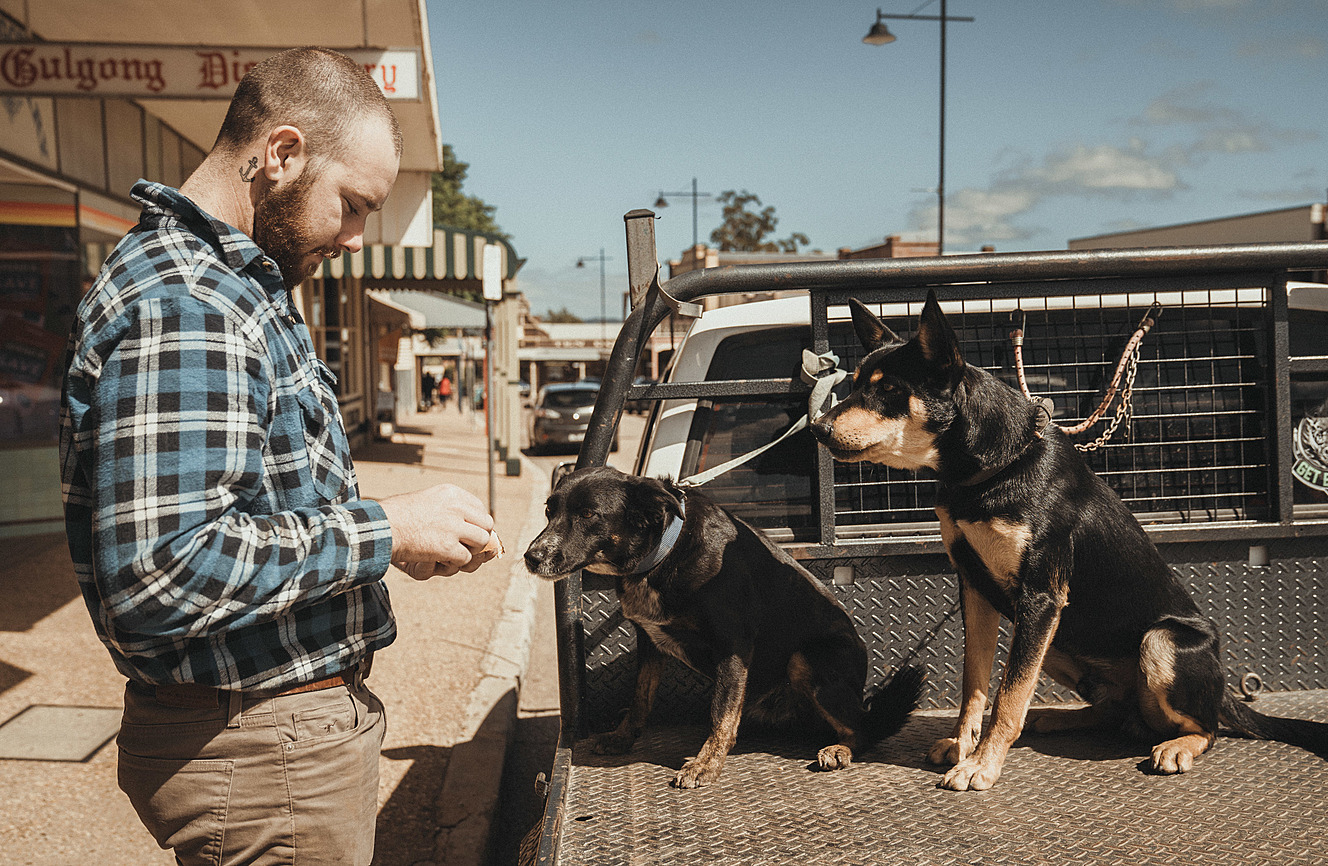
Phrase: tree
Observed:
(745, 231)
(452, 207)
(561, 317)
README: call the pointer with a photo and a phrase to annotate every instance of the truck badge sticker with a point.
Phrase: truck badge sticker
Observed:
(1310, 446)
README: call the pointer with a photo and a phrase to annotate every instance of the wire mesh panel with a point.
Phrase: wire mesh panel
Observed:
(1190, 445)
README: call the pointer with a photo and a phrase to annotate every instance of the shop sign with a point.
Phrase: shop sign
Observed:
(169, 71)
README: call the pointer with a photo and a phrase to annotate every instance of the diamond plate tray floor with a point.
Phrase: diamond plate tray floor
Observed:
(1062, 799)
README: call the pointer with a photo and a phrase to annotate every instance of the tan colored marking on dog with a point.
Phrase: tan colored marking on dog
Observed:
(640, 602)
(708, 762)
(1012, 700)
(1062, 668)
(981, 632)
(876, 376)
(664, 643)
(1157, 664)
(949, 532)
(899, 442)
(1000, 544)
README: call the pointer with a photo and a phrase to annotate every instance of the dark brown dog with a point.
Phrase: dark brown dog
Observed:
(1037, 537)
(711, 591)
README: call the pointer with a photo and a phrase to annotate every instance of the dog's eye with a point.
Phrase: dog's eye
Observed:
(587, 514)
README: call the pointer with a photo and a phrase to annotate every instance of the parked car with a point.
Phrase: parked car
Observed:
(562, 416)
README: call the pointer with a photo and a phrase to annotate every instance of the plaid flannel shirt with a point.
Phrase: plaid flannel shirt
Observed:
(210, 500)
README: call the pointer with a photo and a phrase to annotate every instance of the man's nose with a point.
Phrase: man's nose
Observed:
(351, 238)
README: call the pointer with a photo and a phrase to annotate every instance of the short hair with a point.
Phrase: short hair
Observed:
(319, 91)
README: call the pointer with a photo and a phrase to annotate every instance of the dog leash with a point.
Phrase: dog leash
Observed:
(821, 400)
(1127, 367)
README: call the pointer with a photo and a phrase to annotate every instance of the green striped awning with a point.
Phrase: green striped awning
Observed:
(456, 254)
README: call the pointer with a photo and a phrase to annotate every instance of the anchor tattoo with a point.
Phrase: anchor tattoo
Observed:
(247, 173)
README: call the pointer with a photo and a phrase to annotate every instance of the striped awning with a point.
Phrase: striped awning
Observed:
(456, 254)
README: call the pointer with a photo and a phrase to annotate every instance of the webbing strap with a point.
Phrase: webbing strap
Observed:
(820, 401)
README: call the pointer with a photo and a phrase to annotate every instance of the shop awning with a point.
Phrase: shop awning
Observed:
(456, 254)
(434, 310)
(454, 263)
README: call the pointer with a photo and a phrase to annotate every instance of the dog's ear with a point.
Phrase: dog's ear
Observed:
(650, 504)
(937, 339)
(872, 332)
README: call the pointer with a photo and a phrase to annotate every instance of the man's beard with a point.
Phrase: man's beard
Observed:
(280, 228)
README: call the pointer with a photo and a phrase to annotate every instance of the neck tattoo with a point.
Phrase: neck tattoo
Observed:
(248, 172)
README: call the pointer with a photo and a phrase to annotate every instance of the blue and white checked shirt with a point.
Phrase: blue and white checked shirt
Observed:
(210, 500)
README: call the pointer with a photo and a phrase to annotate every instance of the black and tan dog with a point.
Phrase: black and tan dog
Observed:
(708, 589)
(1039, 538)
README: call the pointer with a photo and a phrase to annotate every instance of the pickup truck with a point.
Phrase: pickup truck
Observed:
(1214, 445)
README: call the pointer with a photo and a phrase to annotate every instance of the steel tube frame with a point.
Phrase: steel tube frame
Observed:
(996, 275)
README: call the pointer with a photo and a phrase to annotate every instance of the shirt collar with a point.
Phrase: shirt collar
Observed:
(235, 248)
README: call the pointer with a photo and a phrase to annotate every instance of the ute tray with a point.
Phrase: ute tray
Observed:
(1078, 797)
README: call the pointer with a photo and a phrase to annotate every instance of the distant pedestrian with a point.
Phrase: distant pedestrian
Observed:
(444, 391)
(231, 567)
(427, 388)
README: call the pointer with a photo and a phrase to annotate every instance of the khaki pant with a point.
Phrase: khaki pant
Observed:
(290, 779)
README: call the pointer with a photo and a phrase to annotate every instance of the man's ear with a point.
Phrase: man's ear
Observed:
(872, 332)
(937, 339)
(285, 154)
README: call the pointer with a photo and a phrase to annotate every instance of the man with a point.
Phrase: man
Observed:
(229, 564)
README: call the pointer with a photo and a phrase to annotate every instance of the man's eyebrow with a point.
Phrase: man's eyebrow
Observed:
(372, 205)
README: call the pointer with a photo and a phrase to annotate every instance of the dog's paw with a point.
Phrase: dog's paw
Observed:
(614, 743)
(696, 772)
(949, 751)
(971, 774)
(835, 757)
(1177, 756)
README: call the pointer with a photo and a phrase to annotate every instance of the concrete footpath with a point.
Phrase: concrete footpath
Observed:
(450, 682)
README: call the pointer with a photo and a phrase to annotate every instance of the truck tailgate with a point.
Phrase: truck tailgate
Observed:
(1077, 797)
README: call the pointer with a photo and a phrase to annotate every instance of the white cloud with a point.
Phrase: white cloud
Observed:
(1104, 169)
(975, 216)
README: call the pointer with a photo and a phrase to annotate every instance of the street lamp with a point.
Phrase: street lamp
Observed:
(879, 34)
(601, 258)
(662, 202)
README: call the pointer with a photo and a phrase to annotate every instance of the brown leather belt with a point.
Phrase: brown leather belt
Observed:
(196, 696)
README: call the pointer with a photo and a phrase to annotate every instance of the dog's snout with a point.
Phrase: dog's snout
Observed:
(823, 428)
(537, 554)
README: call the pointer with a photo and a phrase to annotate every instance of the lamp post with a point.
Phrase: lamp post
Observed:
(879, 34)
(695, 196)
(601, 258)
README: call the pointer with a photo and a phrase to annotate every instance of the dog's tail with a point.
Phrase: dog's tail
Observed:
(1298, 732)
(889, 708)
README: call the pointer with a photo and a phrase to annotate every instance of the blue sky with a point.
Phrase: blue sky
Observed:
(1064, 119)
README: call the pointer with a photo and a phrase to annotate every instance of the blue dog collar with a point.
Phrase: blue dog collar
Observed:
(666, 541)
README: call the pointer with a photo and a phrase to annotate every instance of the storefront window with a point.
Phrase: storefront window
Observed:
(40, 286)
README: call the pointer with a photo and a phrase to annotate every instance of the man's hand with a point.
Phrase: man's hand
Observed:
(439, 531)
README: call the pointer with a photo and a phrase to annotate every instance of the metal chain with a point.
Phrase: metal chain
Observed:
(1124, 409)
(1128, 366)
